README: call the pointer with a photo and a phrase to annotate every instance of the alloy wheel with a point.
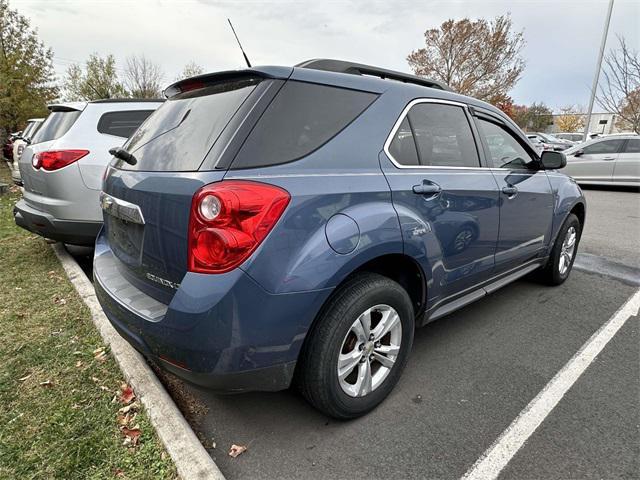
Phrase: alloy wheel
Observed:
(369, 350)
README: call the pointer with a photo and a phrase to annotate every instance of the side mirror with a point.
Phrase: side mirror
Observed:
(578, 153)
(552, 160)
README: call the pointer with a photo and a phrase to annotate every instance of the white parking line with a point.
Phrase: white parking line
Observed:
(491, 463)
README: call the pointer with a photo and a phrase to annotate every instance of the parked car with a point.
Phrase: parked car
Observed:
(609, 160)
(574, 138)
(62, 169)
(33, 125)
(277, 226)
(550, 142)
(7, 148)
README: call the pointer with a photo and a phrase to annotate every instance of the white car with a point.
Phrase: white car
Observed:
(610, 160)
(19, 144)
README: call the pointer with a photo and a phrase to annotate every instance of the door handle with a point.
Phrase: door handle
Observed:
(427, 188)
(609, 158)
(510, 191)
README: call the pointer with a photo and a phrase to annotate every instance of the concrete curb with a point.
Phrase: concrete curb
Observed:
(191, 459)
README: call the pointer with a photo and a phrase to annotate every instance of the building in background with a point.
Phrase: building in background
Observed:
(602, 123)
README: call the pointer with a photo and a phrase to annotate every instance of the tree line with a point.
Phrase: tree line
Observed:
(480, 58)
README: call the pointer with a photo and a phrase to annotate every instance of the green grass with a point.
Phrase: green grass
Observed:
(68, 429)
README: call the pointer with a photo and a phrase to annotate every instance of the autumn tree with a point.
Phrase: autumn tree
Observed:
(142, 77)
(99, 79)
(570, 120)
(539, 117)
(479, 58)
(191, 69)
(520, 115)
(619, 91)
(26, 70)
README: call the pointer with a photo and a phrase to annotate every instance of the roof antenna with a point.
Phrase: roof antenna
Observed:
(246, 59)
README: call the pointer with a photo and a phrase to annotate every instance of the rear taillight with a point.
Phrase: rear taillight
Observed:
(56, 159)
(229, 220)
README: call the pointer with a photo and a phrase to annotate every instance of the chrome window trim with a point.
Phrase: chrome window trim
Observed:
(401, 118)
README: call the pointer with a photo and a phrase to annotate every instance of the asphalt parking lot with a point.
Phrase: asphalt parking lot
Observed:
(469, 376)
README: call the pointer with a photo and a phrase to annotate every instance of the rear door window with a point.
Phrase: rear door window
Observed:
(56, 125)
(302, 118)
(178, 135)
(122, 124)
(606, 146)
(442, 135)
(633, 146)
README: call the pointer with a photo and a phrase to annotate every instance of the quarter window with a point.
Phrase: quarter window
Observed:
(504, 150)
(606, 146)
(403, 146)
(122, 124)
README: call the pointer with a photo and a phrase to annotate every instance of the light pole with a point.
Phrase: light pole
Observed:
(597, 75)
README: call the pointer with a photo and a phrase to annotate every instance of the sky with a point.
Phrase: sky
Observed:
(562, 37)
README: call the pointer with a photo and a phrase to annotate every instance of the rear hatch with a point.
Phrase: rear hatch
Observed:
(147, 205)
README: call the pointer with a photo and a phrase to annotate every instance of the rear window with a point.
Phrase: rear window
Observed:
(178, 135)
(302, 118)
(122, 124)
(56, 125)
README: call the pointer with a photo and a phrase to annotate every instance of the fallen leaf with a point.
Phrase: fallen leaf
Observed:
(131, 407)
(119, 473)
(24, 378)
(213, 444)
(106, 389)
(95, 379)
(131, 435)
(237, 450)
(79, 363)
(98, 350)
(46, 383)
(126, 394)
(59, 301)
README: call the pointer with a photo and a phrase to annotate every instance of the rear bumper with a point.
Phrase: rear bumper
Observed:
(44, 224)
(224, 332)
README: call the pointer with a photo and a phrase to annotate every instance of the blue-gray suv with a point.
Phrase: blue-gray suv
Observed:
(276, 226)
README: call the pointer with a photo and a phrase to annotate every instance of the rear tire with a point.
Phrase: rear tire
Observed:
(340, 349)
(563, 254)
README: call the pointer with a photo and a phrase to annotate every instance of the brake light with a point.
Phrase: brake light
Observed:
(229, 220)
(56, 159)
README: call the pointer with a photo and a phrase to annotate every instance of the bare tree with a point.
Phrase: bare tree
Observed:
(191, 69)
(479, 58)
(142, 77)
(619, 91)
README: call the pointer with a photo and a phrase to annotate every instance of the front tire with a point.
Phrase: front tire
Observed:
(558, 268)
(358, 347)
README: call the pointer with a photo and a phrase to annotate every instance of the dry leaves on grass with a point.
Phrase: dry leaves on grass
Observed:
(99, 354)
(131, 435)
(127, 394)
(236, 450)
(46, 383)
(59, 300)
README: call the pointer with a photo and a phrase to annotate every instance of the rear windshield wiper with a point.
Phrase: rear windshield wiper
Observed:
(122, 154)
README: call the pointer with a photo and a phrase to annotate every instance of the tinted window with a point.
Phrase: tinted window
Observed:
(403, 147)
(606, 146)
(122, 124)
(178, 135)
(633, 146)
(301, 118)
(443, 135)
(504, 150)
(56, 125)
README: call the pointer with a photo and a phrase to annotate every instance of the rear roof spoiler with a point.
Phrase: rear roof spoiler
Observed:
(200, 81)
(67, 107)
(341, 66)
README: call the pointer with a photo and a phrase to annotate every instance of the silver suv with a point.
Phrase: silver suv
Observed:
(63, 167)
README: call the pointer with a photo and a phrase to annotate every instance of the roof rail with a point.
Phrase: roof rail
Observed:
(342, 66)
(127, 100)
